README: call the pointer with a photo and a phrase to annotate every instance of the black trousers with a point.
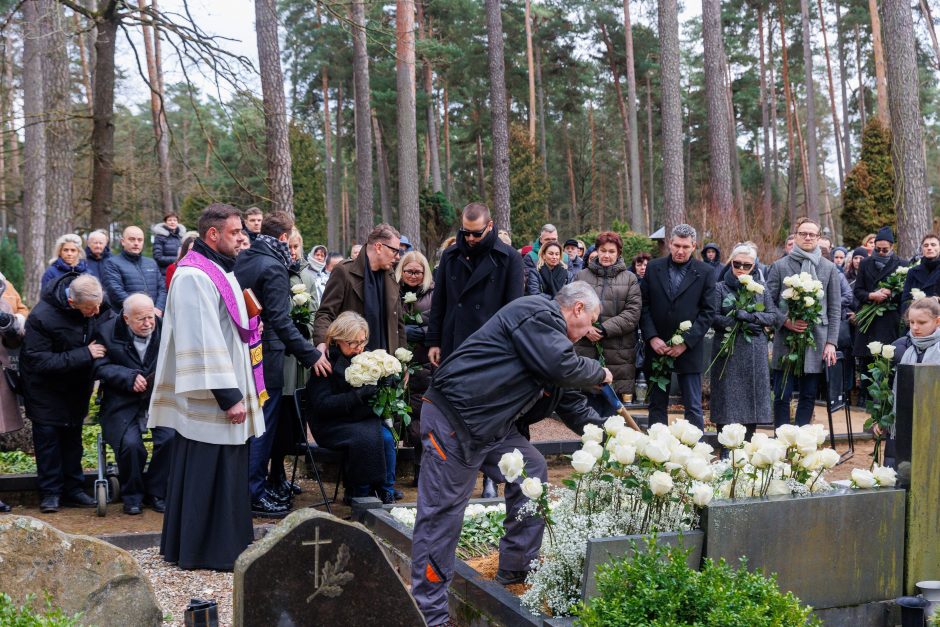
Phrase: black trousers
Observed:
(132, 457)
(58, 459)
(690, 386)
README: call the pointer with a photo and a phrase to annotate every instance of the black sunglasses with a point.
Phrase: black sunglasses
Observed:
(883, 251)
(741, 265)
(397, 251)
(475, 234)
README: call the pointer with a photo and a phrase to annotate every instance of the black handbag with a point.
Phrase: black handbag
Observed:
(201, 613)
(13, 379)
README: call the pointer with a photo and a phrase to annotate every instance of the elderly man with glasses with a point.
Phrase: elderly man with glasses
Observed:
(367, 286)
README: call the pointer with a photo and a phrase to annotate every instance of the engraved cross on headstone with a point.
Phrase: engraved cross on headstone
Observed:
(316, 542)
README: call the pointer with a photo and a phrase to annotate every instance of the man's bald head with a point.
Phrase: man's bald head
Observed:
(139, 314)
(132, 240)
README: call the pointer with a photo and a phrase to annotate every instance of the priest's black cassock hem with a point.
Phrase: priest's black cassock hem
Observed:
(208, 522)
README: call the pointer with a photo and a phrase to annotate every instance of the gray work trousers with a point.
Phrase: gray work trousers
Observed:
(444, 488)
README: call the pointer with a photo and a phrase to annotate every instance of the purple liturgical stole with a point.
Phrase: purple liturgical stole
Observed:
(250, 336)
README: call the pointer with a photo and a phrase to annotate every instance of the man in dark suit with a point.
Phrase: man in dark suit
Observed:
(263, 269)
(873, 270)
(126, 372)
(677, 288)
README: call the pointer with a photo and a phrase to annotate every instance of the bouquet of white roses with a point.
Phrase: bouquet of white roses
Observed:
(880, 404)
(385, 371)
(894, 282)
(663, 364)
(802, 296)
(300, 311)
(744, 299)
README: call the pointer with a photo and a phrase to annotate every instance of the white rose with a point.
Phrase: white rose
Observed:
(805, 442)
(755, 287)
(511, 465)
(629, 437)
(787, 434)
(701, 494)
(660, 483)
(625, 454)
(818, 431)
(732, 436)
(917, 294)
(676, 340)
(703, 450)
(594, 449)
(410, 297)
(592, 433)
(778, 487)
(739, 458)
(680, 454)
(657, 430)
(300, 299)
(656, 452)
(762, 458)
(887, 351)
(747, 279)
(875, 348)
(614, 425)
(813, 461)
(403, 355)
(678, 427)
(300, 288)
(885, 476)
(532, 488)
(863, 478)
(685, 325)
(787, 294)
(789, 280)
(690, 435)
(698, 469)
(809, 301)
(828, 458)
(583, 462)
(903, 270)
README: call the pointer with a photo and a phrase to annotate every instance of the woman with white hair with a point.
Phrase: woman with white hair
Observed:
(68, 257)
(740, 381)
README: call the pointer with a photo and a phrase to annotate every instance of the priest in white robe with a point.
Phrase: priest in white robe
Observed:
(207, 390)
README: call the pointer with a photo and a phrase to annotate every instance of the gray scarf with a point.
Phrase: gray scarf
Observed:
(808, 261)
(927, 345)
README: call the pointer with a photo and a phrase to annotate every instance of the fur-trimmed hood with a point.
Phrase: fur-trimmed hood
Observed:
(164, 230)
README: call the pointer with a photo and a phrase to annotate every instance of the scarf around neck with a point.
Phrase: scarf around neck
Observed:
(553, 279)
(279, 248)
(227, 263)
(809, 261)
(481, 248)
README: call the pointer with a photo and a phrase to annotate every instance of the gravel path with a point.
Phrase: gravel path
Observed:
(175, 587)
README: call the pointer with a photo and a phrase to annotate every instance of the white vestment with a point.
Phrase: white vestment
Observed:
(201, 350)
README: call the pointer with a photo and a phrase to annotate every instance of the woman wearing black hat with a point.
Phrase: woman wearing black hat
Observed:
(872, 271)
(926, 275)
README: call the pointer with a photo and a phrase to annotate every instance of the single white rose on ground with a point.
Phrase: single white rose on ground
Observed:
(410, 297)
(583, 461)
(828, 458)
(592, 433)
(614, 425)
(300, 288)
(732, 436)
(702, 494)
(511, 465)
(685, 325)
(885, 476)
(660, 483)
(863, 478)
(778, 487)
(875, 348)
(624, 453)
(403, 355)
(887, 351)
(699, 469)
(532, 487)
(594, 449)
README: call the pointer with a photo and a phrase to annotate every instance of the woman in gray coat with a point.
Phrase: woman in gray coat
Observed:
(621, 302)
(740, 383)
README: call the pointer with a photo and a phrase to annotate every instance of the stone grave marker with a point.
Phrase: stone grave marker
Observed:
(315, 569)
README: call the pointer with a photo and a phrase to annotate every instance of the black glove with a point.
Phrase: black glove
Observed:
(366, 392)
(755, 328)
(744, 316)
(415, 333)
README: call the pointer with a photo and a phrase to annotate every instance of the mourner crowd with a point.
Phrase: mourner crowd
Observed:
(501, 338)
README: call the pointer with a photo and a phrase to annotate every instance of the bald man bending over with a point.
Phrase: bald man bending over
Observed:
(130, 272)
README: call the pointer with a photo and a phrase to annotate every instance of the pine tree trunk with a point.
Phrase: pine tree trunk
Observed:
(408, 183)
(836, 128)
(720, 199)
(14, 178)
(925, 10)
(595, 207)
(329, 183)
(624, 118)
(651, 180)
(733, 147)
(877, 45)
(276, 138)
(433, 149)
(82, 58)
(671, 107)
(448, 181)
(633, 137)
(34, 153)
(481, 175)
(569, 162)
(907, 140)
(499, 113)
(157, 113)
(102, 134)
(540, 92)
(861, 83)
(843, 85)
(812, 180)
(365, 214)
(339, 166)
(788, 108)
(530, 61)
(772, 89)
(384, 199)
(767, 189)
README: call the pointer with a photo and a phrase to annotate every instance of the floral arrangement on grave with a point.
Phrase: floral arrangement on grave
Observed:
(663, 364)
(480, 533)
(801, 295)
(880, 404)
(388, 372)
(300, 312)
(627, 483)
(894, 282)
(877, 477)
(743, 300)
(411, 314)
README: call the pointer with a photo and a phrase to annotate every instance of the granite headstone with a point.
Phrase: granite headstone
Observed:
(315, 569)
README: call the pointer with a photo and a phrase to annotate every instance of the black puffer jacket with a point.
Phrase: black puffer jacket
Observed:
(166, 244)
(55, 365)
(499, 373)
(126, 274)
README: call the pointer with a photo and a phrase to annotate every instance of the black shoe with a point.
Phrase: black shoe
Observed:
(158, 504)
(132, 509)
(49, 504)
(79, 499)
(276, 496)
(398, 494)
(266, 508)
(286, 485)
(4, 508)
(507, 577)
(387, 496)
(489, 489)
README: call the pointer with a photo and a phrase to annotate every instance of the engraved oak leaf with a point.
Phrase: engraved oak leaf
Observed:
(333, 576)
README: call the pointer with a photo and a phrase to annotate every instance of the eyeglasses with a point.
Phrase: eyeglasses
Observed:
(397, 251)
(474, 234)
(413, 272)
(883, 251)
(741, 265)
(354, 343)
(806, 235)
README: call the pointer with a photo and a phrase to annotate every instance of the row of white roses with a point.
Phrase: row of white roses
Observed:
(750, 284)
(407, 515)
(370, 367)
(878, 476)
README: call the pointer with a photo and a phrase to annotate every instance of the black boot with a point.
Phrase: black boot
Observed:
(4, 508)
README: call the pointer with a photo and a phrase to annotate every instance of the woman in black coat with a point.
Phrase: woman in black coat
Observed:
(550, 273)
(167, 239)
(341, 417)
(926, 275)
